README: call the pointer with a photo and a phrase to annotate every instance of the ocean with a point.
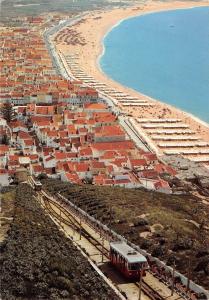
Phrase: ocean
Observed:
(164, 55)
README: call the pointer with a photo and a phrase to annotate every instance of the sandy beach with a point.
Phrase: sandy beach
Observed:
(88, 47)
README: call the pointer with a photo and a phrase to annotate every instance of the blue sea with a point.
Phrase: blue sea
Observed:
(164, 55)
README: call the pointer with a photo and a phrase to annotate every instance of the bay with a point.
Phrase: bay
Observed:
(164, 55)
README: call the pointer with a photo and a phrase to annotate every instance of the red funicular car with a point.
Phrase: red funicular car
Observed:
(127, 260)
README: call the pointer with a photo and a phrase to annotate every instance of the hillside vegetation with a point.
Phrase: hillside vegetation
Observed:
(173, 228)
(18, 8)
(39, 262)
(7, 211)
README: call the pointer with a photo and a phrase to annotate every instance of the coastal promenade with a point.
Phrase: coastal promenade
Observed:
(60, 69)
(156, 126)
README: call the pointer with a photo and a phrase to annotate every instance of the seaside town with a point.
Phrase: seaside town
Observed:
(76, 129)
(61, 128)
(104, 190)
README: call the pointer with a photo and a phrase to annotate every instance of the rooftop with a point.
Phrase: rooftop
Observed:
(131, 255)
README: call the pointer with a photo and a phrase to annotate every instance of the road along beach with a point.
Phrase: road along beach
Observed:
(81, 45)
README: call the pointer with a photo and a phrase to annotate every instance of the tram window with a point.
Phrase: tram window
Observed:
(133, 266)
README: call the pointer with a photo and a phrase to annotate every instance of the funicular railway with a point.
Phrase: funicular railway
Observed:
(37, 186)
(102, 239)
(69, 219)
(129, 262)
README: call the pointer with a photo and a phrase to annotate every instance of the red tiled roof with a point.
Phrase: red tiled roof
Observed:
(52, 133)
(109, 155)
(99, 179)
(49, 158)
(29, 142)
(81, 167)
(161, 184)
(71, 129)
(13, 158)
(60, 155)
(108, 182)
(33, 156)
(85, 152)
(97, 165)
(21, 109)
(35, 119)
(122, 181)
(24, 135)
(124, 145)
(42, 123)
(95, 106)
(44, 110)
(110, 169)
(138, 162)
(113, 130)
(15, 124)
(73, 178)
(71, 154)
(82, 130)
(38, 168)
(149, 174)
(63, 133)
(3, 171)
(119, 161)
(4, 148)
(150, 156)
(170, 170)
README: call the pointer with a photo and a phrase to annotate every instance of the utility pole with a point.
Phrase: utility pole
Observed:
(60, 216)
(140, 284)
(73, 229)
(110, 216)
(189, 275)
(100, 230)
(80, 228)
(86, 218)
(173, 277)
(102, 249)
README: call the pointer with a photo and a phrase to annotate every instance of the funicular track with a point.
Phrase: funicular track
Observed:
(69, 218)
(70, 221)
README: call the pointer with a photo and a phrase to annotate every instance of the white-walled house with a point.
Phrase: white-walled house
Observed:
(3, 122)
(4, 177)
(3, 160)
(49, 162)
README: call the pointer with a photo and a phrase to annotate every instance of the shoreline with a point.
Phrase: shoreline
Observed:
(89, 55)
(198, 119)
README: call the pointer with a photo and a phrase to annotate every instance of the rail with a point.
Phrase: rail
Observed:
(73, 223)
